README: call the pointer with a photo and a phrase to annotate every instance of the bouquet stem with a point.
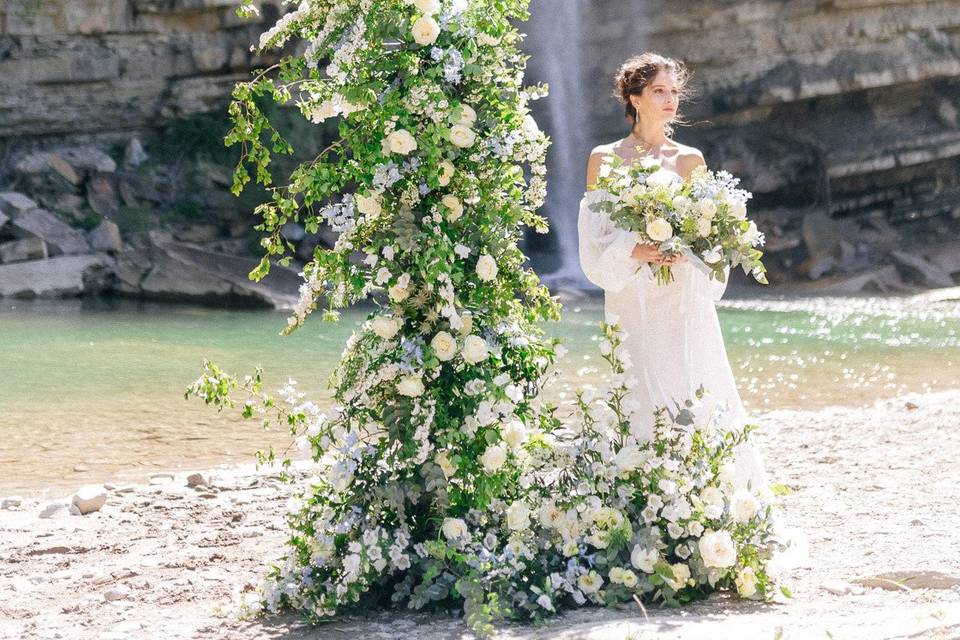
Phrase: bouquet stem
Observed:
(664, 275)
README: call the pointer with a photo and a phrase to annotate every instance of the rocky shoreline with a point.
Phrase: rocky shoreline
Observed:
(874, 489)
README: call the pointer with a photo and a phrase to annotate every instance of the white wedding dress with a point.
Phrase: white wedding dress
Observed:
(671, 332)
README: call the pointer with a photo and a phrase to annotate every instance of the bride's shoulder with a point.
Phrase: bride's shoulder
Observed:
(688, 159)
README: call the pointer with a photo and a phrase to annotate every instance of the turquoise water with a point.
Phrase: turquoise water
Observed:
(93, 391)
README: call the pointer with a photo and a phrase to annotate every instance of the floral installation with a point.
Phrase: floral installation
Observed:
(703, 217)
(441, 477)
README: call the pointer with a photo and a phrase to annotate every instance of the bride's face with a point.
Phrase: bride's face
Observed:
(660, 99)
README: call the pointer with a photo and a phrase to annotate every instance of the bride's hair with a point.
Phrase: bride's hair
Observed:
(639, 71)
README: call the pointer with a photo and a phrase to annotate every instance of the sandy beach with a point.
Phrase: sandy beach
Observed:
(875, 490)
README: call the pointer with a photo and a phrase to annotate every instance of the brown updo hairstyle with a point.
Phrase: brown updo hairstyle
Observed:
(639, 71)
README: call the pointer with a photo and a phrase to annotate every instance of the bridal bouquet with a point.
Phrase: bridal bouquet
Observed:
(703, 218)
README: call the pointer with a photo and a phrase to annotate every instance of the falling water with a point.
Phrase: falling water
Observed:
(555, 46)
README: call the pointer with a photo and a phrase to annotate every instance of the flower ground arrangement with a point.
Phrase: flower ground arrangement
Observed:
(442, 479)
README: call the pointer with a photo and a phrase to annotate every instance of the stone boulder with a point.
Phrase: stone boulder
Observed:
(89, 499)
(105, 237)
(175, 271)
(12, 203)
(59, 277)
(60, 237)
(20, 250)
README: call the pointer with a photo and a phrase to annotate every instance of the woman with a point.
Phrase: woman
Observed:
(672, 333)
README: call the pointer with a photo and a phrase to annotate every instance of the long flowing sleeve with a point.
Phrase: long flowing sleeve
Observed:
(604, 248)
(713, 288)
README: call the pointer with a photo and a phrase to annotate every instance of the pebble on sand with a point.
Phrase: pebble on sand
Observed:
(89, 498)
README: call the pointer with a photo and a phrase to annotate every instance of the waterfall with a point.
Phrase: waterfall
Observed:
(555, 47)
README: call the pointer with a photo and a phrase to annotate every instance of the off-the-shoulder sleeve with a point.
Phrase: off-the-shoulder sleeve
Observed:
(605, 248)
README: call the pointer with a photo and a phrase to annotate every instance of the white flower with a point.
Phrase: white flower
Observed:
(728, 473)
(427, 6)
(703, 227)
(462, 250)
(681, 573)
(398, 293)
(474, 349)
(327, 109)
(746, 582)
(454, 205)
(462, 136)
(351, 564)
(713, 255)
(674, 529)
(444, 345)
(486, 267)
(628, 458)
(661, 178)
(493, 458)
(518, 516)
(530, 126)
(695, 529)
(681, 202)
(717, 549)
(707, 208)
(744, 506)
(545, 602)
(467, 115)
(382, 277)
(386, 327)
(629, 579)
(410, 386)
(454, 528)
(643, 559)
(590, 582)
(514, 433)
(739, 210)
(401, 141)
(443, 461)
(634, 192)
(487, 39)
(659, 229)
(446, 172)
(752, 234)
(425, 30)
(369, 205)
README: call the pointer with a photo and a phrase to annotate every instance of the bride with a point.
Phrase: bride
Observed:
(671, 332)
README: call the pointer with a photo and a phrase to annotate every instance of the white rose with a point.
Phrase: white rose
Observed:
(486, 267)
(707, 208)
(661, 178)
(410, 386)
(514, 433)
(444, 345)
(427, 6)
(386, 327)
(401, 141)
(681, 202)
(493, 458)
(616, 575)
(590, 582)
(518, 516)
(633, 193)
(681, 573)
(659, 230)
(369, 205)
(717, 549)
(454, 205)
(487, 39)
(398, 293)
(454, 528)
(713, 255)
(738, 210)
(629, 579)
(443, 461)
(467, 115)
(643, 559)
(703, 227)
(628, 458)
(446, 172)
(746, 582)
(462, 136)
(744, 506)
(474, 349)
(425, 30)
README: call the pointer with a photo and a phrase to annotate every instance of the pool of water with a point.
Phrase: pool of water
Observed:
(94, 390)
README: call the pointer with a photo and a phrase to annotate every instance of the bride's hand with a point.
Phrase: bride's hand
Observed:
(650, 253)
